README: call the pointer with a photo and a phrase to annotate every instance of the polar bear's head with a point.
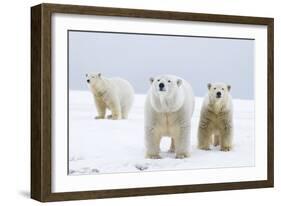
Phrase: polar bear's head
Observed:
(95, 81)
(218, 92)
(93, 78)
(167, 93)
(165, 85)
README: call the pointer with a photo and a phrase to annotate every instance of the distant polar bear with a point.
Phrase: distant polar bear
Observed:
(115, 94)
(168, 110)
(216, 118)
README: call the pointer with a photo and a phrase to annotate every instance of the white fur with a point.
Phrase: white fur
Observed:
(168, 113)
(216, 119)
(115, 94)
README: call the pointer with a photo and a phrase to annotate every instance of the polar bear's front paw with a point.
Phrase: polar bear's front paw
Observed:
(182, 155)
(226, 148)
(99, 117)
(153, 156)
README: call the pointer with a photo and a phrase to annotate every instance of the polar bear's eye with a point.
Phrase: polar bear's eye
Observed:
(158, 80)
(169, 81)
(215, 88)
(222, 88)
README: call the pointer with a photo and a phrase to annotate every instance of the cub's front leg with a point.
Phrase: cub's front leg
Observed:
(101, 108)
(204, 134)
(227, 136)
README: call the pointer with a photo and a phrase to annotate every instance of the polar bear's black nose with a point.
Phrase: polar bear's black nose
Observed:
(218, 94)
(88, 80)
(161, 85)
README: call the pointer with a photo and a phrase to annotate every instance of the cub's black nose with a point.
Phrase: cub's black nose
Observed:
(161, 85)
(88, 80)
(218, 94)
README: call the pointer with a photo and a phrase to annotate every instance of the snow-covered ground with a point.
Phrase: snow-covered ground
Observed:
(108, 146)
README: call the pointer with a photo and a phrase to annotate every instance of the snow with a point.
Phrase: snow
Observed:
(110, 146)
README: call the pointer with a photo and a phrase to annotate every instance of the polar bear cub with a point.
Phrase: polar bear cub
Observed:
(115, 94)
(168, 110)
(216, 121)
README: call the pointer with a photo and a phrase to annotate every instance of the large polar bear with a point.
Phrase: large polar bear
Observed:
(168, 110)
(115, 94)
(216, 123)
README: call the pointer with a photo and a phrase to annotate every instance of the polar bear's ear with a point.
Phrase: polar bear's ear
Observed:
(228, 87)
(99, 74)
(209, 85)
(179, 82)
(151, 79)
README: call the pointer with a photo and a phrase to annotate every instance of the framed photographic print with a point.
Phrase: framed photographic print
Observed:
(129, 102)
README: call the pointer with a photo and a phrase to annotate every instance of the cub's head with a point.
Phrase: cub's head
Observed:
(165, 85)
(93, 78)
(218, 91)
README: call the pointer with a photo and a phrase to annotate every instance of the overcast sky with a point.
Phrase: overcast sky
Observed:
(137, 57)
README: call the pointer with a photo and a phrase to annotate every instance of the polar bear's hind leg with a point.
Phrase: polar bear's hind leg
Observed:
(124, 115)
(124, 112)
(115, 108)
(127, 107)
(116, 113)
